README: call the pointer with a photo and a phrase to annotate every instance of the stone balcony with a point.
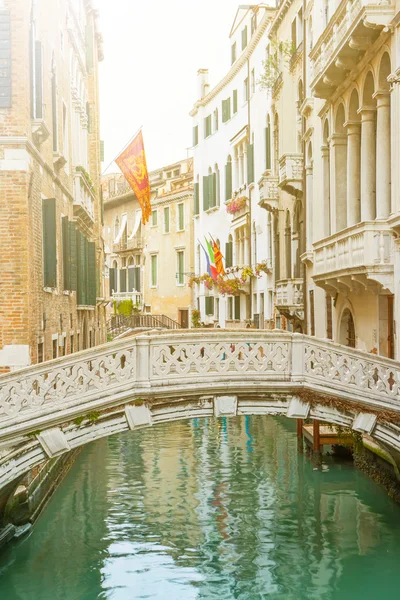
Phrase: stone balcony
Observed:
(291, 173)
(128, 245)
(269, 192)
(83, 202)
(357, 259)
(351, 31)
(289, 298)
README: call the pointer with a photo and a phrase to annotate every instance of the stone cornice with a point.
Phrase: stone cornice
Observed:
(282, 10)
(237, 66)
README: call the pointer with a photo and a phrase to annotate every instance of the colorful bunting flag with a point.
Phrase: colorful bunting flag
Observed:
(214, 272)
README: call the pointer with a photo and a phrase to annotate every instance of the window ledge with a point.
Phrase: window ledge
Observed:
(213, 209)
(50, 290)
(82, 307)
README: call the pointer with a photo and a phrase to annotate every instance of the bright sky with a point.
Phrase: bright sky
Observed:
(153, 49)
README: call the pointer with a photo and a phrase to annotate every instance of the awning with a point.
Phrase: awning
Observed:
(122, 228)
(137, 224)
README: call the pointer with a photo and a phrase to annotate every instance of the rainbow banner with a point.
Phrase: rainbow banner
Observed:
(214, 272)
(132, 162)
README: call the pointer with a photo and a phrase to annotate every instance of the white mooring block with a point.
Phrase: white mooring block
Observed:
(298, 409)
(53, 442)
(225, 406)
(138, 416)
(364, 423)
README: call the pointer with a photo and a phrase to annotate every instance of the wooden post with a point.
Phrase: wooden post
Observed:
(316, 437)
(300, 435)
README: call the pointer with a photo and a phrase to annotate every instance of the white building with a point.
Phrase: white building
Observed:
(230, 138)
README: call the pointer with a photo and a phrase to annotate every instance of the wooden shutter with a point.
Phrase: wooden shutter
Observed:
(112, 273)
(82, 283)
(312, 313)
(211, 190)
(66, 253)
(181, 221)
(38, 80)
(214, 189)
(131, 279)
(154, 270)
(195, 135)
(73, 264)
(205, 193)
(92, 279)
(250, 163)
(137, 285)
(196, 199)
(122, 280)
(228, 181)
(268, 147)
(228, 255)
(237, 308)
(329, 325)
(235, 101)
(228, 108)
(166, 220)
(49, 242)
(209, 306)
(224, 119)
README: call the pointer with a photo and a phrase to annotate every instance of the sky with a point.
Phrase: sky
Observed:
(152, 51)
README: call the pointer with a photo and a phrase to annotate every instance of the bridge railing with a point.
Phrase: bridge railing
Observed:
(193, 362)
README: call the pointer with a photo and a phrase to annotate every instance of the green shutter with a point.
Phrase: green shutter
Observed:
(228, 108)
(181, 221)
(154, 270)
(131, 279)
(195, 135)
(112, 274)
(235, 101)
(214, 189)
(224, 111)
(166, 220)
(237, 308)
(209, 306)
(136, 278)
(205, 193)
(268, 147)
(250, 163)
(73, 264)
(228, 181)
(211, 191)
(196, 199)
(49, 243)
(82, 247)
(66, 253)
(122, 280)
(228, 255)
(92, 272)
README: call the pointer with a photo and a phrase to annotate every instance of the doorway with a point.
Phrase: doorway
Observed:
(347, 333)
(183, 318)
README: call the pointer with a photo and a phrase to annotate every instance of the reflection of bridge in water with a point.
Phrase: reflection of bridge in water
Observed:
(49, 409)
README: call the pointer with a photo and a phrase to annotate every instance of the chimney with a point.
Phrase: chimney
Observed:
(202, 78)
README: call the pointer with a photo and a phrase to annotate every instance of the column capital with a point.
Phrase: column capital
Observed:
(353, 127)
(338, 139)
(367, 113)
(382, 98)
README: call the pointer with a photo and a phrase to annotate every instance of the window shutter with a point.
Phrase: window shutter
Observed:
(228, 181)
(224, 111)
(205, 193)
(244, 38)
(228, 109)
(235, 101)
(250, 163)
(154, 270)
(92, 279)
(81, 243)
(195, 135)
(112, 280)
(122, 280)
(131, 279)
(49, 242)
(136, 271)
(268, 147)
(38, 81)
(196, 199)
(237, 308)
(209, 305)
(166, 220)
(211, 191)
(214, 189)
(66, 253)
(72, 257)
(181, 222)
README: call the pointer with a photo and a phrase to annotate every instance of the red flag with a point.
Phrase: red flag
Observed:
(132, 163)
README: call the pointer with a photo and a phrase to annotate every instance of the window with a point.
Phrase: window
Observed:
(54, 110)
(40, 356)
(233, 53)
(181, 217)
(294, 33)
(253, 81)
(230, 308)
(216, 123)
(154, 270)
(49, 242)
(236, 302)
(71, 345)
(268, 162)
(250, 163)
(329, 327)
(253, 23)
(229, 253)
(226, 110)
(154, 215)
(55, 348)
(235, 102)
(166, 220)
(246, 89)
(244, 38)
(169, 174)
(196, 198)
(228, 179)
(207, 126)
(209, 306)
(312, 313)
(195, 135)
(177, 172)
(180, 277)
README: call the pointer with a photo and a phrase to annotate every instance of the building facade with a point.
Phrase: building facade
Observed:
(152, 264)
(325, 148)
(50, 211)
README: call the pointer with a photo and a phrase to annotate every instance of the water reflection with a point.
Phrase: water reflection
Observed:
(208, 509)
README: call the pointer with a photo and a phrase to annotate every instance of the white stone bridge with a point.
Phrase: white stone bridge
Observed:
(49, 409)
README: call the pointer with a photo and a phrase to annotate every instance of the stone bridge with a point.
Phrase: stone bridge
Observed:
(49, 409)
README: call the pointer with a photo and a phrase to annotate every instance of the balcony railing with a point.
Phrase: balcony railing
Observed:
(136, 243)
(83, 199)
(289, 292)
(352, 29)
(361, 255)
(269, 192)
(291, 173)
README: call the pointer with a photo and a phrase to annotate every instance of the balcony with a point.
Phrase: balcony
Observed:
(83, 200)
(351, 31)
(269, 193)
(238, 207)
(128, 245)
(291, 173)
(357, 259)
(289, 298)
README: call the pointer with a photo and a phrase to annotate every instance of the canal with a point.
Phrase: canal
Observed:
(206, 510)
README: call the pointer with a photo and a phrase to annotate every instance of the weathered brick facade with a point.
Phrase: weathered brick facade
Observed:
(48, 129)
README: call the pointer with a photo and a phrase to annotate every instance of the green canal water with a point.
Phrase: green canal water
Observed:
(208, 510)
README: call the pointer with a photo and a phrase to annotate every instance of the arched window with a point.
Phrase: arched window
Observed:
(228, 179)
(347, 333)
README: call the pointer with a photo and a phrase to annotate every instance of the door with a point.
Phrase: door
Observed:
(390, 327)
(183, 318)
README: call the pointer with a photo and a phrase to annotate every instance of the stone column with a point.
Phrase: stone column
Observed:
(368, 164)
(383, 155)
(326, 190)
(236, 173)
(309, 200)
(353, 173)
(339, 181)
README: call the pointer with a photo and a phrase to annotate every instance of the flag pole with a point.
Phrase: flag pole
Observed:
(120, 152)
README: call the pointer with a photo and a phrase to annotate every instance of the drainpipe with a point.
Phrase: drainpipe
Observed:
(250, 212)
(303, 148)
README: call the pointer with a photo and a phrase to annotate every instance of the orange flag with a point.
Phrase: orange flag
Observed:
(132, 163)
